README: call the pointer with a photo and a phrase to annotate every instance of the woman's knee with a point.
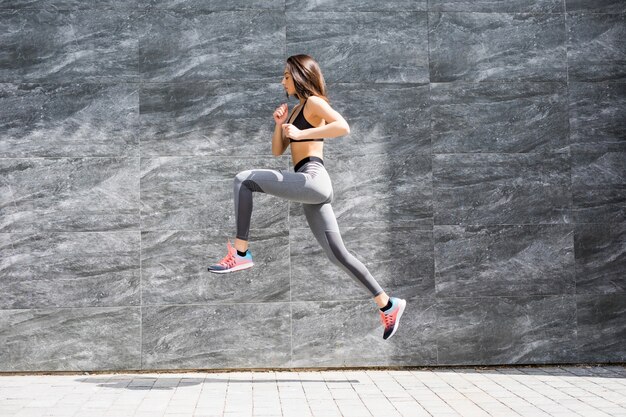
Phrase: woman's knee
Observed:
(243, 180)
(242, 175)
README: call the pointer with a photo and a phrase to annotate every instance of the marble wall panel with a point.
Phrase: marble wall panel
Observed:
(70, 339)
(499, 117)
(204, 336)
(70, 270)
(504, 260)
(195, 5)
(70, 4)
(35, 43)
(595, 46)
(208, 118)
(356, 5)
(349, 38)
(599, 187)
(506, 330)
(601, 320)
(210, 6)
(600, 252)
(596, 116)
(497, 46)
(178, 46)
(597, 6)
(69, 119)
(51, 45)
(69, 194)
(511, 6)
(501, 188)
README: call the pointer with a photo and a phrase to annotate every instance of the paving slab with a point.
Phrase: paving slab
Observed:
(552, 391)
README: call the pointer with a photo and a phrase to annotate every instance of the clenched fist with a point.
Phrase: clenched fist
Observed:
(281, 113)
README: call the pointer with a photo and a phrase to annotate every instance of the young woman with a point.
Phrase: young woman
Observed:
(309, 184)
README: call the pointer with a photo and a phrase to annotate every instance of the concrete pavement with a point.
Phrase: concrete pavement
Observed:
(443, 392)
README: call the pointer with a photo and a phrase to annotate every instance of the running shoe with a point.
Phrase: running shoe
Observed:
(391, 317)
(232, 262)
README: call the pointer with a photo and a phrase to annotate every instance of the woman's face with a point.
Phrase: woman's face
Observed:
(287, 82)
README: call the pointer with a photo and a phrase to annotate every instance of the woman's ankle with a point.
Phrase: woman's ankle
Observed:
(241, 245)
(381, 299)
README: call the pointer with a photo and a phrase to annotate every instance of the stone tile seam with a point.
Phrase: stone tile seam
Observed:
(140, 272)
(394, 227)
(207, 304)
(330, 155)
(286, 10)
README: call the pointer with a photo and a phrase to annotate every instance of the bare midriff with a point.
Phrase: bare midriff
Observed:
(300, 150)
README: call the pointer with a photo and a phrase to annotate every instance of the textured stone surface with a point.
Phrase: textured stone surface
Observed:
(599, 187)
(497, 330)
(592, 53)
(597, 122)
(497, 117)
(484, 180)
(501, 188)
(504, 260)
(385, 47)
(497, 47)
(600, 261)
(601, 327)
(70, 269)
(66, 339)
(70, 194)
(214, 336)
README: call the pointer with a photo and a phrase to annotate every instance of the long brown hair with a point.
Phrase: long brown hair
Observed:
(307, 76)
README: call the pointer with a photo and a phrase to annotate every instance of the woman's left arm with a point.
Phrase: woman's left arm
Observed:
(335, 125)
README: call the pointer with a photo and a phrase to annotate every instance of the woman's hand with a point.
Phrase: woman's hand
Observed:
(291, 131)
(281, 113)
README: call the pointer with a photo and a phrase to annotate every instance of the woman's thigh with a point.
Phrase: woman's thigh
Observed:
(294, 186)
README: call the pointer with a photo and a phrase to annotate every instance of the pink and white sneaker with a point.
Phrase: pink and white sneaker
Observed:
(232, 262)
(391, 317)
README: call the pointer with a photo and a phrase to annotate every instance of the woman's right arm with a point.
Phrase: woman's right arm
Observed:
(278, 141)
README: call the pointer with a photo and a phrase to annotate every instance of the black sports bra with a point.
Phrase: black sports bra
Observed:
(301, 123)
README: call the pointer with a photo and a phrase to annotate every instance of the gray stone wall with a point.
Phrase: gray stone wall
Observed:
(483, 180)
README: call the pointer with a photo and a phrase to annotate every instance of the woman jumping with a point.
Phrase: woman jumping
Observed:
(309, 184)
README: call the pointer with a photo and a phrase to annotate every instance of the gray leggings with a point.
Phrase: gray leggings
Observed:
(311, 186)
